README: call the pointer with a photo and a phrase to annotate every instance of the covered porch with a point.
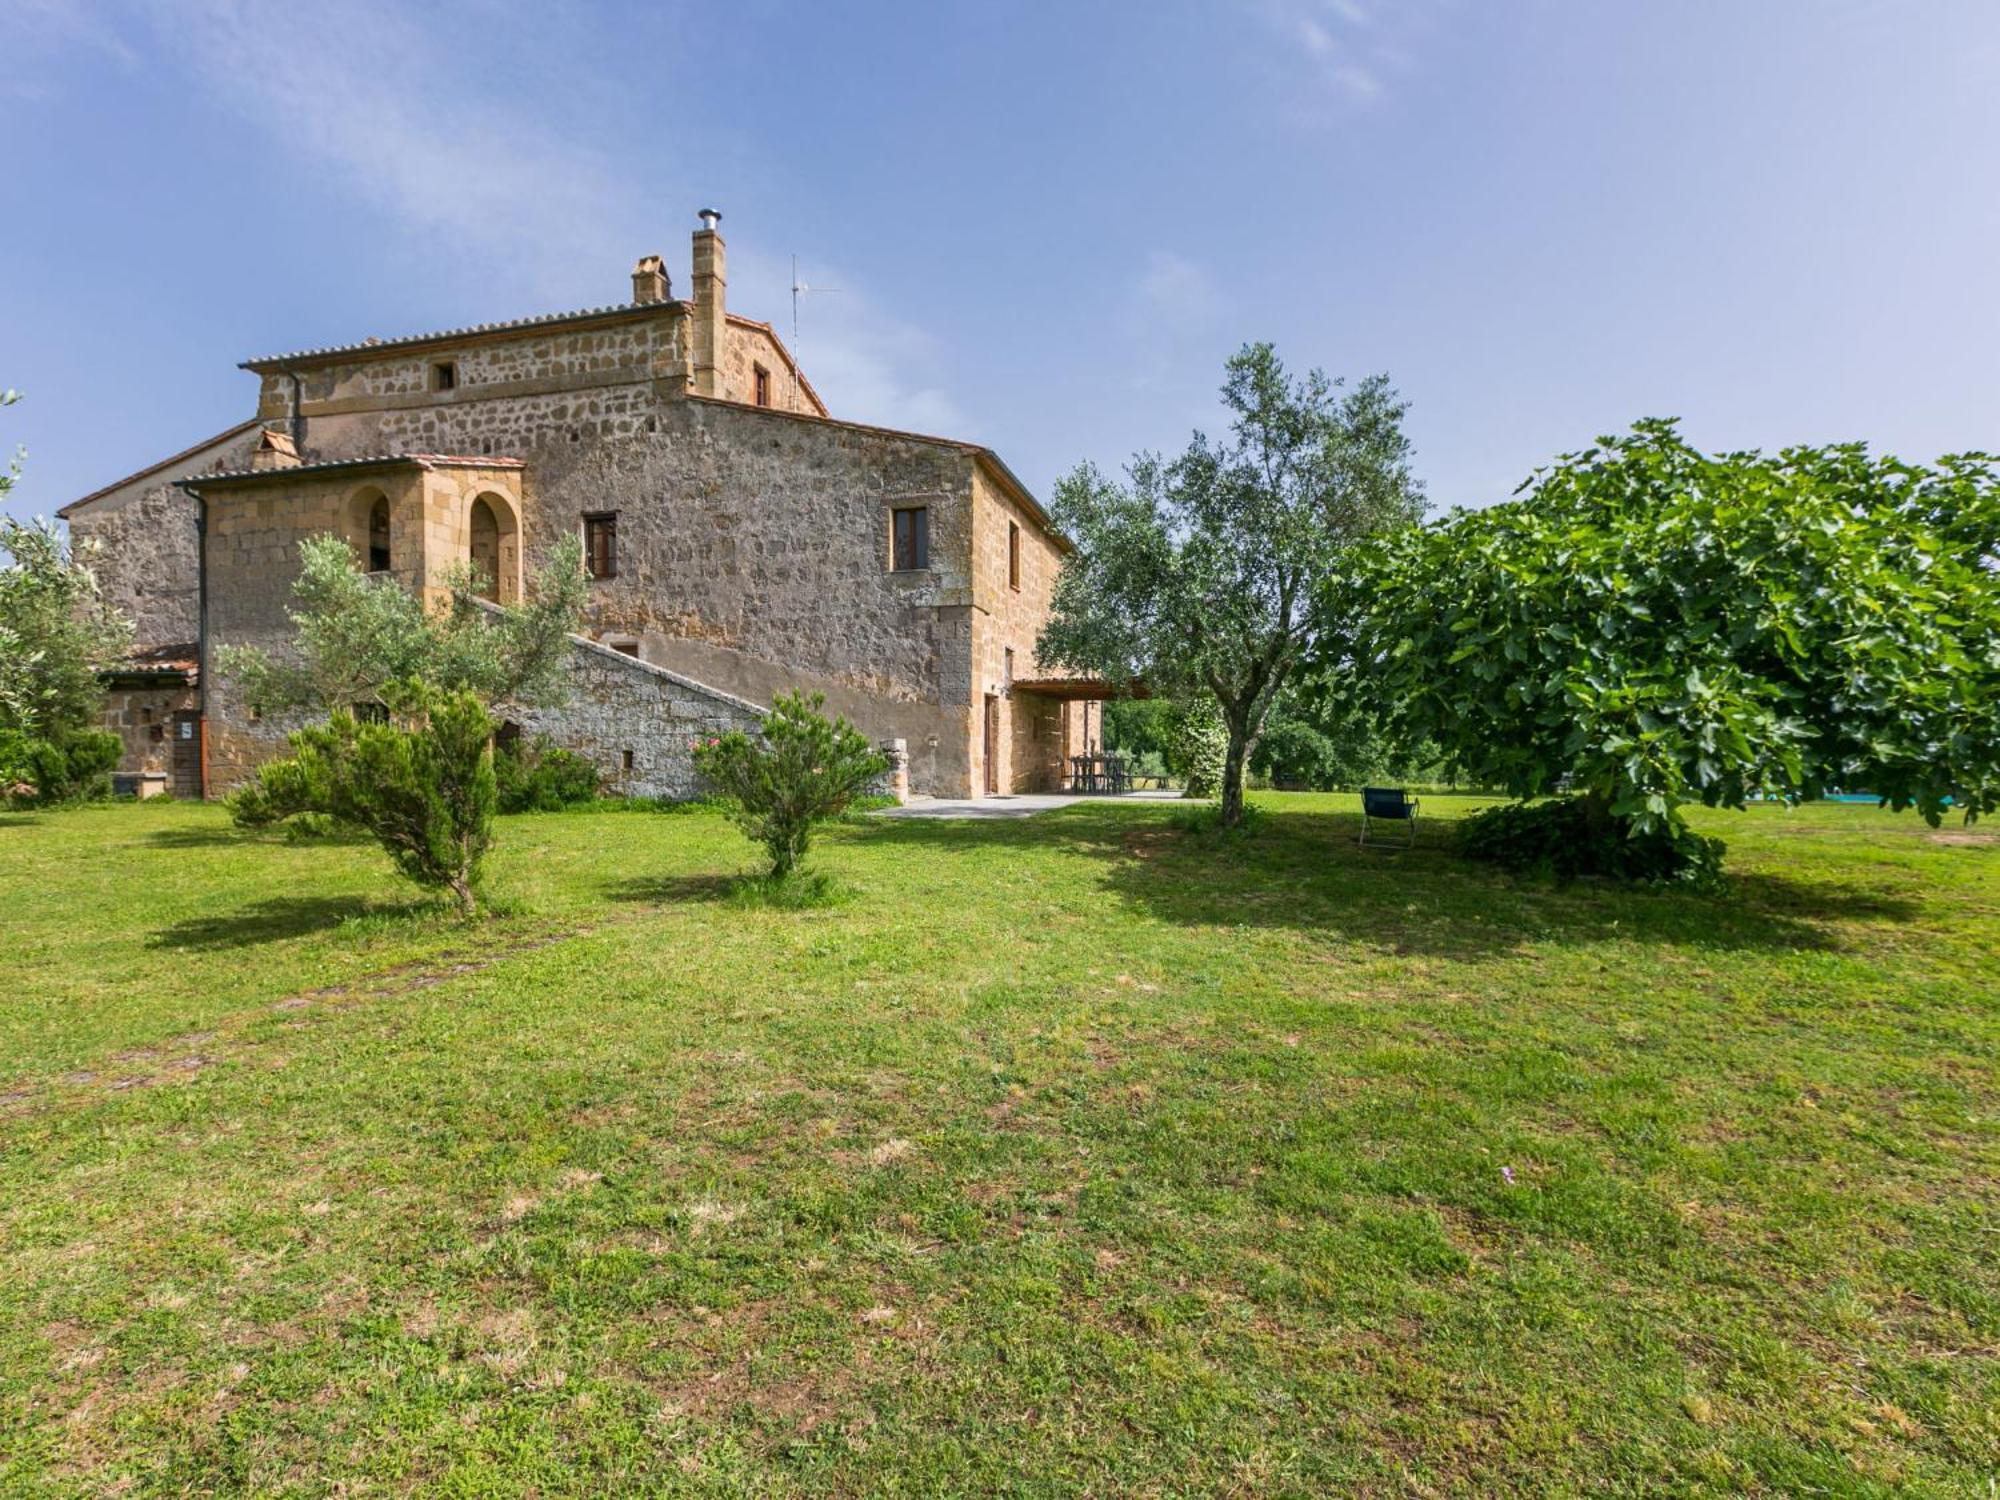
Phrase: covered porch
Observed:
(1082, 765)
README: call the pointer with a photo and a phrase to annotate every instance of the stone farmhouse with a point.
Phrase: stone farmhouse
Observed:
(741, 541)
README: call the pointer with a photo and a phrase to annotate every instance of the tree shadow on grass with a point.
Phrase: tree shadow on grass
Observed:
(276, 918)
(1306, 871)
(659, 890)
(195, 838)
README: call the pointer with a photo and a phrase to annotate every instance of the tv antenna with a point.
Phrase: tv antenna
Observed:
(799, 289)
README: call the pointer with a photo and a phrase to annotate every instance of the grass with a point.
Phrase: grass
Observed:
(1091, 1153)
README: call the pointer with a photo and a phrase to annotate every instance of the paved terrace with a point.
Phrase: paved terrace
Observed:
(1025, 805)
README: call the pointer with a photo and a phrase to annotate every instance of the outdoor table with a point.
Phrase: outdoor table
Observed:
(1098, 772)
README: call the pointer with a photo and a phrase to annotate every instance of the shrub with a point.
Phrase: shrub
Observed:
(1294, 754)
(536, 776)
(800, 771)
(1571, 836)
(1197, 746)
(421, 785)
(72, 766)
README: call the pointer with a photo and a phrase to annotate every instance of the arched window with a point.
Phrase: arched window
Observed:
(378, 535)
(486, 549)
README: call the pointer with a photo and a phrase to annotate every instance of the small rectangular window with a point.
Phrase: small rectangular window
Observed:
(628, 760)
(761, 379)
(911, 536)
(1013, 556)
(1007, 667)
(600, 544)
(444, 375)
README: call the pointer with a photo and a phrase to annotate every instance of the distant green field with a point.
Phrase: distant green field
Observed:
(1091, 1153)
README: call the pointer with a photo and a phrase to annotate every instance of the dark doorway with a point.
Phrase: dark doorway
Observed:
(186, 758)
(992, 746)
(378, 536)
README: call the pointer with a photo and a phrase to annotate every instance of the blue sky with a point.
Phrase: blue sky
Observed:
(1048, 224)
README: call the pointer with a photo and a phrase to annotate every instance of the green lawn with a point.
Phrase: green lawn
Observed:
(1093, 1153)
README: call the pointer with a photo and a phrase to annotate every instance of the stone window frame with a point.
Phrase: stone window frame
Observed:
(1014, 556)
(444, 375)
(760, 385)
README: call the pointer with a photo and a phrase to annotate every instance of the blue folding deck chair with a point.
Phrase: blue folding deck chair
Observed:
(1390, 804)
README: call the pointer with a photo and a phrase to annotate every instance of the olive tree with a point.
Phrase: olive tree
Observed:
(353, 634)
(1648, 626)
(57, 633)
(1202, 574)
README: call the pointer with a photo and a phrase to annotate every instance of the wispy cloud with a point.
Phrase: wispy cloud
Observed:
(483, 134)
(1343, 51)
(869, 365)
(383, 97)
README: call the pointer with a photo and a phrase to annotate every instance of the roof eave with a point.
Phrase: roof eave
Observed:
(166, 463)
(300, 359)
(243, 478)
(1025, 497)
(996, 465)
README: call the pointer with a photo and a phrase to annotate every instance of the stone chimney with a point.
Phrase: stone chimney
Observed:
(649, 280)
(275, 450)
(710, 305)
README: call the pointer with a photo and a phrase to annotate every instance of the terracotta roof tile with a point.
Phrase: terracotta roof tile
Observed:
(376, 461)
(623, 311)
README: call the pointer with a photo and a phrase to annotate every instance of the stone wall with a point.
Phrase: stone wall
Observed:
(143, 719)
(622, 347)
(753, 548)
(1037, 733)
(748, 344)
(140, 537)
(639, 723)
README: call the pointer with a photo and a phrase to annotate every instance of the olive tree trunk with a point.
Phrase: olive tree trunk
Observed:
(1235, 762)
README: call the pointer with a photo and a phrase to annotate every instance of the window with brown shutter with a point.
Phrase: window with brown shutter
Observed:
(600, 544)
(761, 379)
(911, 539)
(1013, 555)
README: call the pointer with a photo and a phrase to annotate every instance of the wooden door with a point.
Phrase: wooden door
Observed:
(186, 757)
(992, 746)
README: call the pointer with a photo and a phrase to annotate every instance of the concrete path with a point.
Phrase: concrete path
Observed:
(1025, 805)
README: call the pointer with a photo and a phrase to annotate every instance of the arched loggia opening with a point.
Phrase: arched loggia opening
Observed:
(486, 550)
(495, 547)
(368, 529)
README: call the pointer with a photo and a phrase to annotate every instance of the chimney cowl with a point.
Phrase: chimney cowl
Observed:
(710, 218)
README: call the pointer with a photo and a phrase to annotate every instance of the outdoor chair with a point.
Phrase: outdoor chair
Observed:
(1388, 804)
